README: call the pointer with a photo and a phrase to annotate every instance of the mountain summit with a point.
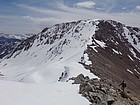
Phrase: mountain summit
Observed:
(105, 48)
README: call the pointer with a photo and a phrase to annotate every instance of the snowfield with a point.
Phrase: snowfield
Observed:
(15, 93)
(41, 87)
(39, 75)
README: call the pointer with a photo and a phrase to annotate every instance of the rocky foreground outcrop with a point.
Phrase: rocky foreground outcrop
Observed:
(104, 92)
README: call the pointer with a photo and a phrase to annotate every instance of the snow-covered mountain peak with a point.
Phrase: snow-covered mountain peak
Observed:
(105, 48)
(59, 38)
(16, 36)
(68, 42)
(62, 43)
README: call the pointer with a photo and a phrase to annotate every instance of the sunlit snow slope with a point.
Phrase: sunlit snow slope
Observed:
(61, 45)
(41, 65)
(41, 62)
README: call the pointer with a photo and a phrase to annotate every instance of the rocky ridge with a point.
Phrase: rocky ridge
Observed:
(103, 91)
(117, 57)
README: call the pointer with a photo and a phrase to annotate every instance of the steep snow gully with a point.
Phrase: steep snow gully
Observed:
(37, 72)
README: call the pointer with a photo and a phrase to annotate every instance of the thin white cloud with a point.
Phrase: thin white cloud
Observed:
(39, 18)
(31, 8)
(107, 5)
(65, 14)
(86, 4)
(48, 21)
(138, 7)
(17, 24)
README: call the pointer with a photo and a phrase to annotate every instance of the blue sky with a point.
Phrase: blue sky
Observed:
(31, 16)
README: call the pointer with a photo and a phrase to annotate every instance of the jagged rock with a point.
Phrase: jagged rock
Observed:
(110, 100)
(100, 92)
(79, 79)
(85, 87)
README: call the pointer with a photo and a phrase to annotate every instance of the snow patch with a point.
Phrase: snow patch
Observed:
(100, 43)
(137, 71)
(115, 51)
(131, 40)
(116, 43)
(94, 48)
(86, 58)
(130, 58)
(130, 71)
(134, 53)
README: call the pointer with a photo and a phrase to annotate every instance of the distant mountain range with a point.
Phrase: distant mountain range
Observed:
(106, 48)
(16, 36)
(9, 41)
